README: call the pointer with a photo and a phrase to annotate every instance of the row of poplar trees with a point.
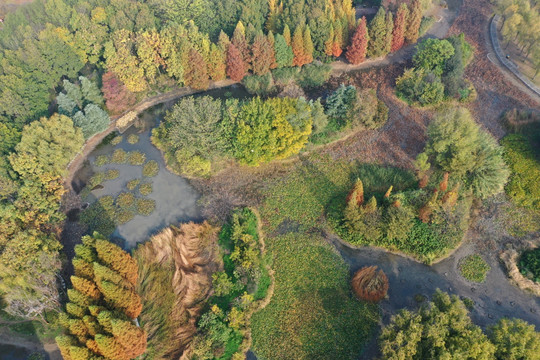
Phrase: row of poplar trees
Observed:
(103, 305)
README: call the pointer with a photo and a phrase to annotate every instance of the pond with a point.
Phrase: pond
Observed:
(12, 352)
(118, 198)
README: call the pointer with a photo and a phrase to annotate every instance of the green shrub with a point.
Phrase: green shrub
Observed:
(284, 76)
(150, 169)
(102, 160)
(145, 189)
(193, 165)
(96, 179)
(124, 216)
(136, 158)
(258, 84)
(425, 24)
(125, 200)
(146, 207)
(529, 264)
(313, 75)
(474, 268)
(119, 156)
(523, 186)
(132, 184)
(112, 174)
(133, 139)
(116, 140)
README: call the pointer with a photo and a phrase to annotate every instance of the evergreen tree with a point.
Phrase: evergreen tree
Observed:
(117, 259)
(287, 35)
(196, 75)
(413, 24)
(272, 44)
(337, 45)
(398, 34)
(389, 28)
(284, 54)
(223, 41)
(356, 51)
(236, 67)
(308, 46)
(94, 120)
(90, 91)
(299, 58)
(329, 43)
(239, 41)
(377, 34)
(262, 55)
(216, 63)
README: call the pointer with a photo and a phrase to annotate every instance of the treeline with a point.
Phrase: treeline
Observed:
(521, 25)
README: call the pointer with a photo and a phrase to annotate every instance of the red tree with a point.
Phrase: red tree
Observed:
(398, 34)
(263, 55)
(197, 74)
(356, 51)
(236, 67)
(118, 98)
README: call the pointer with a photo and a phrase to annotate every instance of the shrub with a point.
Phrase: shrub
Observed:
(133, 139)
(116, 140)
(96, 179)
(132, 184)
(313, 75)
(339, 103)
(193, 165)
(136, 158)
(146, 207)
(284, 76)
(150, 169)
(124, 216)
(119, 156)
(258, 84)
(474, 268)
(523, 186)
(145, 189)
(529, 264)
(102, 160)
(112, 174)
(125, 200)
(369, 284)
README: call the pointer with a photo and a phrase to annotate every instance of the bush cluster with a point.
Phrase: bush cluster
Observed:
(474, 268)
(150, 169)
(529, 264)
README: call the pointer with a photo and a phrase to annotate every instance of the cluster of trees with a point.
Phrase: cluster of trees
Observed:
(99, 317)
(439, 66)
(31, 189)
(442, 329)
(200, 131)
(222, 329)
(83, 102)
(521, 25)
(426, 222)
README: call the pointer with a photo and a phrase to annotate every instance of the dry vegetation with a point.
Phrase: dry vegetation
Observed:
(369, 284)
(175, 280)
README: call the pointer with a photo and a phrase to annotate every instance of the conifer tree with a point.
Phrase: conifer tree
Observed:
(223, 41)
(356, 51)
(262, 55)
(377, 34)
(308, 46)
(337, 45)
(356, 196)
(236, 67)
(287, 35)
(283, 52)
(329, 43)
(196, 75)
(97, 318)
(272, 42)
(216, 63)
(389, 28)
(398, 33)
(413, 24)
(241, 44)
(298, 47)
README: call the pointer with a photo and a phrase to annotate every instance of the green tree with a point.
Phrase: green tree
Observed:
(308, 46)
(432, 54)
(414, 21)
(377, 35)
(515, 339)
(284, 54)
(441, 329)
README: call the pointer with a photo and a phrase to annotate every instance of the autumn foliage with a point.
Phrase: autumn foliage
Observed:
(357, 193)
(236, 67)
(398, 34)
(117, 97)
(102, 304)
(356, 51)
(369, 284)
